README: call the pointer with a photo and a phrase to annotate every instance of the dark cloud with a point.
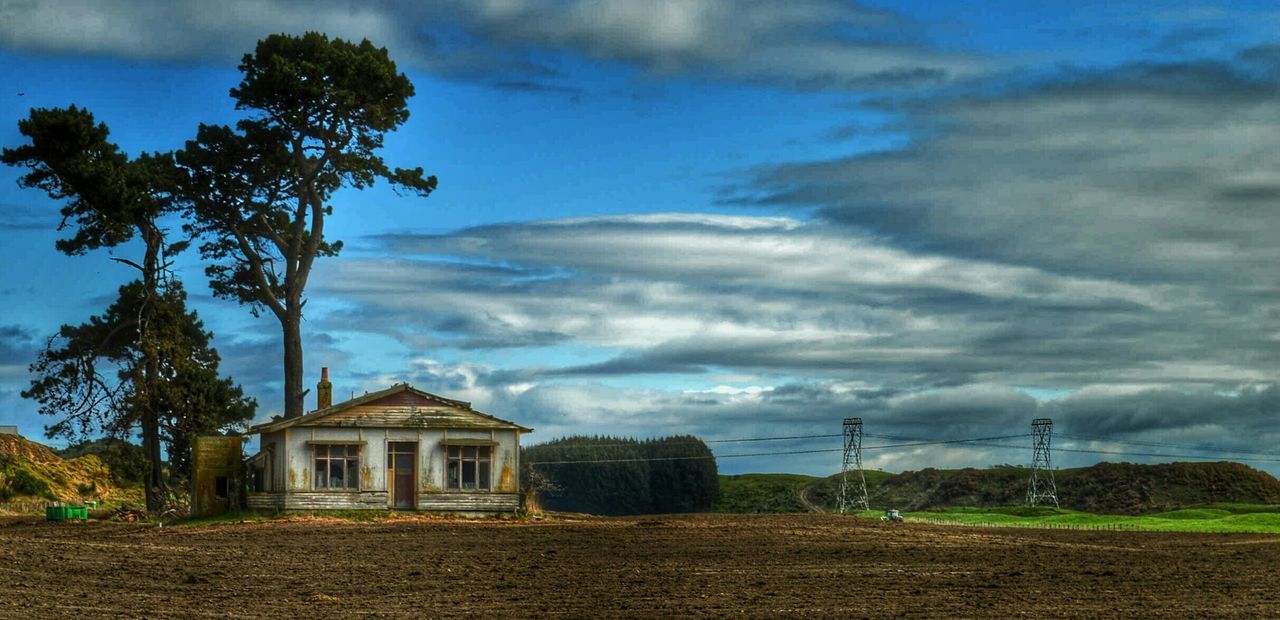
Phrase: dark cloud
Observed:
(256, 364)
(18, 345)
(1188, 39)
(804, 43)
(1111, 173)
(526, 86)
(630, 365)
(22, 218)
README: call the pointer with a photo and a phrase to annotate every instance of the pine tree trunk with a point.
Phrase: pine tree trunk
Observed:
(293, 391)
(156, 490)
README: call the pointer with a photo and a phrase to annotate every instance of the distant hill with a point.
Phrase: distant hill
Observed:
(756, 493)
(1105, 488)
(30, 472)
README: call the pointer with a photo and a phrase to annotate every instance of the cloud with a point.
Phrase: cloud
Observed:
(1184, 39)
(805, 43)
(527, 86)
(183, 31)
(255, 364)
(813, 43)
(18, 347)
(690, 294)
(1146, 171)
(1159, 177)
(23, 219)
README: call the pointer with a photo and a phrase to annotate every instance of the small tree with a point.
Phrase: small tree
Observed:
(89, 376)
(258, 194)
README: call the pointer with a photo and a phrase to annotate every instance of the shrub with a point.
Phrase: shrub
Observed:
(23, 482)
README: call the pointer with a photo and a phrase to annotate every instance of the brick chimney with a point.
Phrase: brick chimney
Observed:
(324, 390)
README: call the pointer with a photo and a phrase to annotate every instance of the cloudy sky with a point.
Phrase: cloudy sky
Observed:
(743, 219)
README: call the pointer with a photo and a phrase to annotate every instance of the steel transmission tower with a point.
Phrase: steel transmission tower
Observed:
(1042, 488)
(852, 492)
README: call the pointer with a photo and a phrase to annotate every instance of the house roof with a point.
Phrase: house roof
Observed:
(400, 405)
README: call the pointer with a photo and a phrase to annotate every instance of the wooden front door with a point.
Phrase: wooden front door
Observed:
(402, 459)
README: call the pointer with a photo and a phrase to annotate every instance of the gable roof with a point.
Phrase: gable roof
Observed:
(400, 405)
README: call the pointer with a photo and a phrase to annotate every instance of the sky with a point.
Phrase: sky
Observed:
(742, 219)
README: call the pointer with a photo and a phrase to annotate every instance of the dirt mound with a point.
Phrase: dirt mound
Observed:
(31, 473)
(13, 445)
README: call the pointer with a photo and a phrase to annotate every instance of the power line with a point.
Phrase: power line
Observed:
(1158, 455)
(1137, 442)
(913, 443)
(772, 438)
(1160, 444)
(1124, 453)
(783, 453)
(684, 458)
(692, 441)
(906, 442)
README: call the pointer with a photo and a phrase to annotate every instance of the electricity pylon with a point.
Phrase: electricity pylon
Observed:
(857, 495)
(1042, 488)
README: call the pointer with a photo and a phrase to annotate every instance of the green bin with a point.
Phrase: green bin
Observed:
(63, 513)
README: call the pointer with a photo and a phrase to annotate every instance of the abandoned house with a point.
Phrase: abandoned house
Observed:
(400, 448)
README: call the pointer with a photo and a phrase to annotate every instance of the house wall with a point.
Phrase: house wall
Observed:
(275, 447)
(295, 491)
(216, 475)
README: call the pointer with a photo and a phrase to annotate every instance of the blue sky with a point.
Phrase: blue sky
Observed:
(741, 219)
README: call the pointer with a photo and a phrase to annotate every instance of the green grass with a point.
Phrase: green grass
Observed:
(1213, 518)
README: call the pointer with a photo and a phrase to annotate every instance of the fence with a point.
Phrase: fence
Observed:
(1100, 527)
(24, 508)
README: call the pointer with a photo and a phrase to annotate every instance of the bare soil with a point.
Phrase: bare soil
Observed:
(668, 566)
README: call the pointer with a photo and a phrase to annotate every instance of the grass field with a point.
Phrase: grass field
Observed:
(1213, 518)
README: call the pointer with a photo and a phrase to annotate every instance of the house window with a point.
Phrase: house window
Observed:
(469, 467)
(337, 467)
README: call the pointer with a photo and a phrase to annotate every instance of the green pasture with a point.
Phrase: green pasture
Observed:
(1211, 518)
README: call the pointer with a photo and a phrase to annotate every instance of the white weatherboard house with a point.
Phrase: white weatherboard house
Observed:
(400, 448)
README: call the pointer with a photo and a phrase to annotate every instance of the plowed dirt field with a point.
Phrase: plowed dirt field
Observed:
(668, 566)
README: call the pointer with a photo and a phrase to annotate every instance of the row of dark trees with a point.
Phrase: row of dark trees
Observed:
(254, 198)
(616, 476)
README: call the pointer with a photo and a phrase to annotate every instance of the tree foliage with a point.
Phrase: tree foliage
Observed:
(109, 198)
(626, 476)
(318, 111)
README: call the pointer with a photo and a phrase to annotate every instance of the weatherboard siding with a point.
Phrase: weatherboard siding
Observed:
(377, 500)
(469, 502)
(319, 500)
